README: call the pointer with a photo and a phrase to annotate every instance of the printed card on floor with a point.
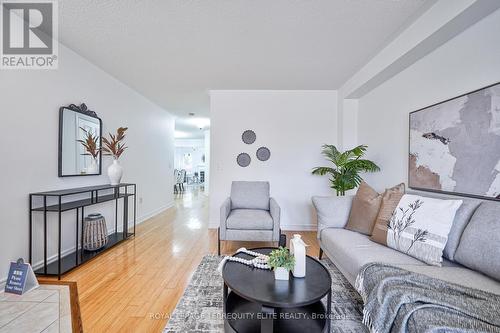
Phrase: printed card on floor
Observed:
(21, 278)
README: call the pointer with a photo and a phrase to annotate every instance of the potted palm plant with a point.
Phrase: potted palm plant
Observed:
(282, 262)
(91, 145)
(344, 175)
(115, 147)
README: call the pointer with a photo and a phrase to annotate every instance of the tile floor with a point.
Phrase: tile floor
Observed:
(46, 309)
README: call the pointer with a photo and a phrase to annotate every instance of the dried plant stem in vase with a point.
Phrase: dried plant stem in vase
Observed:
(91, 145)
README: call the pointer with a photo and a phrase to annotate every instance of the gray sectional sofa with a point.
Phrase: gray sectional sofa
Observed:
(471, 257)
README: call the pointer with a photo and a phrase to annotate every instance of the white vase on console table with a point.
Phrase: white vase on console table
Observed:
(115, 172)
(114, 146)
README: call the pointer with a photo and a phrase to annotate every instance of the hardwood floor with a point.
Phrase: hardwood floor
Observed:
(135, 286)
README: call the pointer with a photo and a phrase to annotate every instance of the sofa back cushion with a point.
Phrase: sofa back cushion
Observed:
(250, 195)
(332, 212)
(462, 218)
(479, 247)
(364, 210)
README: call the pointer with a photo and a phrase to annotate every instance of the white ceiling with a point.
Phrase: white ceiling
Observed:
(173, 52)
(191, 127)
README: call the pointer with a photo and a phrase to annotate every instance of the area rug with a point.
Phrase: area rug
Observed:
(200, 308)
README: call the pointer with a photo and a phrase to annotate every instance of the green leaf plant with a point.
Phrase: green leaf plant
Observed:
(281, 257)
(344, 175)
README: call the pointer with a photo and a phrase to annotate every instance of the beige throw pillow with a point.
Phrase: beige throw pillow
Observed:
(364, 210)
(390, 201)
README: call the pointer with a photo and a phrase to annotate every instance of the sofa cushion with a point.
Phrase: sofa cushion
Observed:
(351, 250)
(250, 195)
(249, 219)
(332, 211)
(479, 246)
(364, 210)
(457, 274)
(462, 218)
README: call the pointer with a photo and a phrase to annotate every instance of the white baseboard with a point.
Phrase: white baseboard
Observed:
(155, 212)
(65, 252)
(288, 227)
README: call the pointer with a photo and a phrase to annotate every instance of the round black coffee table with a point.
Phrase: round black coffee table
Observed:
(255, 302)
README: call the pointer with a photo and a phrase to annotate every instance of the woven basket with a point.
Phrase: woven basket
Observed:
(95, 233)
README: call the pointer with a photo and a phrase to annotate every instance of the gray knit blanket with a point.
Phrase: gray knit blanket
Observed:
(399, 301)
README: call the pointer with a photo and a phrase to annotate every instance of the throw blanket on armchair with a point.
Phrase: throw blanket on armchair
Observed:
(399, 301)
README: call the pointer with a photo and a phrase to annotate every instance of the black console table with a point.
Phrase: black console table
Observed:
(77, 199)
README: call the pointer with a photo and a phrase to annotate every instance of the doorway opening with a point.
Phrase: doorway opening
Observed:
(191, 156)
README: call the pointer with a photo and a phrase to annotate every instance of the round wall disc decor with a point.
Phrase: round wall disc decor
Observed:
(243, 160)
(263, 153)
(248, 137)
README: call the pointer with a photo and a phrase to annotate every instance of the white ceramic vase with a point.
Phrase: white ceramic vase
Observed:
(281, 273)
(115, 172)
(298, 250)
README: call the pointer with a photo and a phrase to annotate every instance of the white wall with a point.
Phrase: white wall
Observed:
(207, 161)
(29, 104)
(469, 61)
(293, 125)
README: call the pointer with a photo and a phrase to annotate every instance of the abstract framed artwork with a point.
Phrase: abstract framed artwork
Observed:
(454, 145)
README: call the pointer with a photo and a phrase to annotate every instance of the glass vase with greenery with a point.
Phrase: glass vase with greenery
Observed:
(347, 165)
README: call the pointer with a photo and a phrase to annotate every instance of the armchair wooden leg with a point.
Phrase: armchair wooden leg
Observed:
(218, 240)
(320, 253)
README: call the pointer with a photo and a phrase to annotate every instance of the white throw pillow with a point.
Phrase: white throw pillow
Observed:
(420, 226)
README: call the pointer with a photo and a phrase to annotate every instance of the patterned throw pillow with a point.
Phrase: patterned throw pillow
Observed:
(420, 226)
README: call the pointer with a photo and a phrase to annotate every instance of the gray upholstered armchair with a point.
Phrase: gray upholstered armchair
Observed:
(250, 214)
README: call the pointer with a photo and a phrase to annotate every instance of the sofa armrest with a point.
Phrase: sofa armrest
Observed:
(225, 210)
(332, 212)
(275, 211)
